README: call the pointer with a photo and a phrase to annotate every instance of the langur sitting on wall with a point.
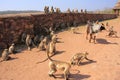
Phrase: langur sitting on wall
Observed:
(52, 10)
(46, 9)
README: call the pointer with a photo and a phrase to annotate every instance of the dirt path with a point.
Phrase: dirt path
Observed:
(106, 53)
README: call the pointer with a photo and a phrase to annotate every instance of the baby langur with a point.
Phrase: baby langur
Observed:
(79, 57)
(112, 32)
(12, 49)
(55, 65)
(51, 48)
(5, 55)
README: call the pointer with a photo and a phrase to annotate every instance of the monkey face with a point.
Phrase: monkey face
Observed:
(72, 63)
(28, 35)
(86, 53)
(12, 44)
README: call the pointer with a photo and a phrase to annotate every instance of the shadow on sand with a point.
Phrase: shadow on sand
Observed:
(77, 33)
(78, 76)
(60, 41)
(86, 63)
(20, 48)
(12, 59)
(72, 76)
(9, 59)
(104, 41)
(59, 52)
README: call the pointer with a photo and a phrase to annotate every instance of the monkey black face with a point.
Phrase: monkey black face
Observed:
(72, 63)
(86, 53)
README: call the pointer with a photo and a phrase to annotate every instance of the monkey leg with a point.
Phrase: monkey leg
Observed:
(29, 48)
(87, 36)
(110, 34)
(88, 59)
(40, 48)
(54, 50)
(94, 39)
(66, 74)
(33, 44)
(73, 62)
(51, 52)
(7, 58)
(74, 31)
(115, 33)
(91, 37)
(80, 60)
(44, 46)
(51, 73)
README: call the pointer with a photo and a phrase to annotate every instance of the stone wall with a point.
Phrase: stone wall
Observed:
(11, 28)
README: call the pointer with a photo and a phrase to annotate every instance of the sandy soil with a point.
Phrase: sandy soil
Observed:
(20, 14)
(106, 54)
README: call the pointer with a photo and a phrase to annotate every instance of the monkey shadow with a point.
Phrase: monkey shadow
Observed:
(58, 38)
(20, 48)
(72, 76)
(114, 37)
(59, 41)
(104, 41)
(59, 52)
(88, 62)
(11, 58)
(77, 33)
(78, 76)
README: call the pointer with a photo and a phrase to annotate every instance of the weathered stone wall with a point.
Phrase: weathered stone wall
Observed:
(11, 28)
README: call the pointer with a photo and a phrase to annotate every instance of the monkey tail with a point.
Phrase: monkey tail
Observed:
(42, 61)
(48, 57)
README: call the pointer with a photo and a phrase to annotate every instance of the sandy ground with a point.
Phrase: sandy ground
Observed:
(20, 14)
(105, 53)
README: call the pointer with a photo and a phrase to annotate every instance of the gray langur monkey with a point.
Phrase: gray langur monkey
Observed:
(29, 42)
(79, 57)
(5, 55)
(55, 65)
(11, 49)
(51, 48)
